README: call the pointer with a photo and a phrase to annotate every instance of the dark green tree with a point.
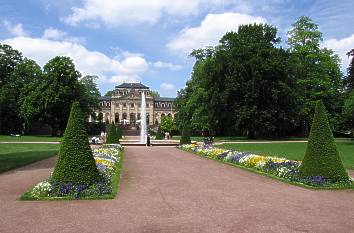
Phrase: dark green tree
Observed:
(349, 79)
(9, 92)
(75, 163)
(112, 135)
(322, 157)
(185, 137)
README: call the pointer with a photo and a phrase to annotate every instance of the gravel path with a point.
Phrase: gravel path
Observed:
(166, 190)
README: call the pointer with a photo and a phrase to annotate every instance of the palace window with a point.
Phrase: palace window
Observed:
(132, 105)
(162, 105)
(156, 105)
(147, 105)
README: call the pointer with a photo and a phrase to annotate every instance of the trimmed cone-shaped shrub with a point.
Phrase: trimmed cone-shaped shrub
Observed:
(185, 137)
(75, 163)
(322, 157)
(159, 134)
(112, 134)
(119, 132)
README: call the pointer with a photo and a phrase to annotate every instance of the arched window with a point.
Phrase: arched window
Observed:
(132, 119)
(147, 118)
(124, 116)
(106, 118)
(100, 117)
(116, 117)
(162, 105)
(170, 115)
(163, 115)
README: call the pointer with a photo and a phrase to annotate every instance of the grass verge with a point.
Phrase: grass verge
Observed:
(293, 151)
(25, 138)
(17, 155)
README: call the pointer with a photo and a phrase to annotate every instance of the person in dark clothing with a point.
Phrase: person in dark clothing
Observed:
(148, 140)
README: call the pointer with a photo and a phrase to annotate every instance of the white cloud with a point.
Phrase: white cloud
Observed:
(115, 12)
(15, 30)
(56, 34)
(167, 86)
(341, 47)
(118, 12)
(166, 65)
(210, 31)
(52, 33)
(124, 78)
(86, 61)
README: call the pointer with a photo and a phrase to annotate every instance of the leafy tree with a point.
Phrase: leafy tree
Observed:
(241, 84)
(109, 93)
(167, 124)
(322, 157)
(349, 79)
(90, 93)
(155, 94)
(27, 76)
(316, 70)
(9, 59)
(75, 163)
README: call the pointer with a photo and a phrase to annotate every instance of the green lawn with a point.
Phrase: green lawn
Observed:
(295, 151)
(17, 155)
(7, 138)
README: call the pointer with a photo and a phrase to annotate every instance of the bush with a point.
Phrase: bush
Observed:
(75, 163)
(185, 137)
(322, 157)
(159, 134)
(112, 134)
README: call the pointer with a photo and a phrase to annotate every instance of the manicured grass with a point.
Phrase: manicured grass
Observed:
(293, 150)
(7, 138)
(17, 155)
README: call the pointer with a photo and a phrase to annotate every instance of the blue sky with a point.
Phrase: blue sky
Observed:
(149, 41)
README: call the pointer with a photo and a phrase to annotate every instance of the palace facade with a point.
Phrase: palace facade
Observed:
(124, 106)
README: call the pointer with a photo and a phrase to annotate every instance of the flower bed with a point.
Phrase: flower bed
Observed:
(108, 159)
(281, 168)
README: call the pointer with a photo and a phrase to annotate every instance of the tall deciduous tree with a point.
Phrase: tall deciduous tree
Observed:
(9, 120)
(316, 70)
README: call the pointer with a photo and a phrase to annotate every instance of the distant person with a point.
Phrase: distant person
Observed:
(148, 140)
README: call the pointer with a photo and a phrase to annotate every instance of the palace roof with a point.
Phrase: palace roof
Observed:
(164, 99)
(132, 85)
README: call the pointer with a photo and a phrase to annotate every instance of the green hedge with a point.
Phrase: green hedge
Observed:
(322, 157)
(75, 162)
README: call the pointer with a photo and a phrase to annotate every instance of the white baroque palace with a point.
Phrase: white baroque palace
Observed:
(125, 103)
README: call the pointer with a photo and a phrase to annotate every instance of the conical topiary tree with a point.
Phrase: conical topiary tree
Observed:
(75, 163)
(185, 137)
(322, 157)
(159, 134)
(119, 132)
(112, 134)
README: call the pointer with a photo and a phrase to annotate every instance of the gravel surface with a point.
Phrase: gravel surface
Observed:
(167, 190)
